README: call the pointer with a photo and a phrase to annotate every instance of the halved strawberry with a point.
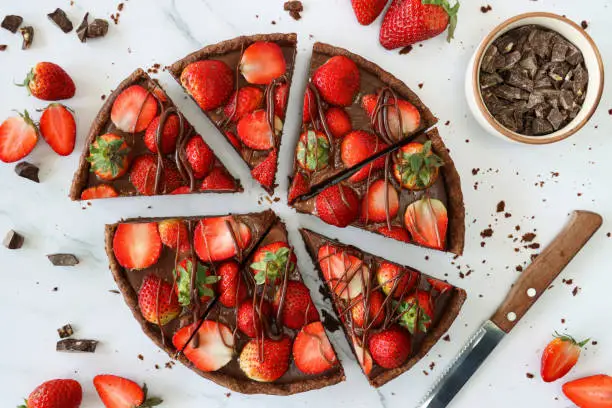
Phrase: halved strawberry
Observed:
(312, 152)
(248, 317)
(215, 345)
(270, 262)
(427, 221)
(376, 314)
(246, 100)
(356, 147)
(99, 191)
(232, 288)
(134, 109)
(200, 156)
(396, 232)
(255, 132)
(363, 356)
(337, 80)
(18, 137)
(439, 285)
(137, 245)
(396, 281)
(590, 392)
(265, 172)
(58, 128)
(262, 62)
(170, 133)
(416, 167)
(299, 186)
(231, 137)
(297, 308)
(181, 190)
(209, 82)
(338, 122)
(157, 301)
(312, 351)
(391, 347)
(378, 205)
(118, 392)
(344, 273)
(216, 239)
(560, 356)
(205, 281)
(218, 180)
(142, 175)
(275, 361)
(411, 117)
(174, 234)
(366, 11)
(338, 205)
(109, 156)
(416, 312)
(309, 110)
(281, 95)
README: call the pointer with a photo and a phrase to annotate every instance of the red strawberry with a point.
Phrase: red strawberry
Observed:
(232, 289)
(134, 109)
(590, 392)
(338, 122)
(337, 80)
(255, 132)
(299, 186)
(181, 190)
(390, 348)
(205, 281)
(281, 95)
(377, 204)
(118, 392)
(246, 100)
(345, 274)
(209, 82)
(275, 361)
(200, 156)
(248, 318)
(298, 308)
(411, 21)
(270, 261)
(159, 93)
(215, 345)
(142, 175)
(416, 312)
(411, 117)
(58, 128)
(363, 356)
(309, 110)
(18, 136)
(439, 285)
(366, 11)
(170, 134)
(368, 102)
(49, 82)
(99, 191)
(398, 233)
(55, 394)
(390, 275)
(313, 150)
(424, 173)
(338, 205)
(358, 146)
(137, 245)
(427, 221)
(109, 156)
(214, 238)
(262, 62)
(559, 356)
(312, 351)
(218, 180)
(174, 234)
(376, 313)
(233, 140)
(157, 301)
(265, 172)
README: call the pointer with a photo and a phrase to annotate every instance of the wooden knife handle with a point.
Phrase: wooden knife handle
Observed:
(545, 268)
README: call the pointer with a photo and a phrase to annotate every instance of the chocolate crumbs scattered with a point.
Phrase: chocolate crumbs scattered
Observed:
(475, 171)
(294, 8)
(405, 50)
(13, 240)
(27, 171)
(568, 281)
(12, 23)
(65, 331)
(486, 233)
(486, 9)
(530, 376)
(501, 206)
(528, 237)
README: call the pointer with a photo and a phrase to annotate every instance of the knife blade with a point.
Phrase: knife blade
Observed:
(524, 293)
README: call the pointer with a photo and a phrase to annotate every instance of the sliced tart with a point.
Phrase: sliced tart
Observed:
(350, 113)
(242, 85)
(141, 144)
(392, 315)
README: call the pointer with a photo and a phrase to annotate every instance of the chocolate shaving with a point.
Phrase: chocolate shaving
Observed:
(65, 331)
(294, 8)
(12, 240)
(63, 259)
(12, 23)
(76, 346)
(60, 18)
(28, 171)
(28, 36)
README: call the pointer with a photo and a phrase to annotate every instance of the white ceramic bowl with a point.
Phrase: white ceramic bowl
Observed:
(573, 33)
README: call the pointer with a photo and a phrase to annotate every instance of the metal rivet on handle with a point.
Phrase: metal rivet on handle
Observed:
(511, 316)
(531, 292)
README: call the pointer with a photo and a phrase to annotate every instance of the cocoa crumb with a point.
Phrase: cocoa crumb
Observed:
(427, 257)
(608, 234)
(609, 111)
(476, 186)
(425, 372)
(482, 244)
(140, 357)
(273, 22)
(562, 321)
(554, 173)
(103, 97)
(408, 48)
(501, 206)
(535, 245)
(519, 268)
(3, 47)
(157, 366)
(475, 171)
(568, 281)
(446, 338)
(447, 123)
(294, 8)
(517, 228)
(486, 9)
(120, 6)
(170, 364)
(529, 375)
(533, 257)
(432, 366)
(461, 275)
(228, 394)
(594, 342)
(584, 24)
(486, 233)
(528, 237)
(115, 18)
(421, 85)
(576, 290)
(507, 215)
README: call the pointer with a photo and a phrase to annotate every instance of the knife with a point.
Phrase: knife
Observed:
(524, 293)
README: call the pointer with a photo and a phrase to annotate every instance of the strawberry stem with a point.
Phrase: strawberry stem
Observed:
(452, 12)
(567, 337)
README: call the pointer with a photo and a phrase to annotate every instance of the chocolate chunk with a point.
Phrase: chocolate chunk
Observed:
(60, 18)
(294, 8)
(506, 119)
(28, 36)
(65, 331)
(506, 43)
(3, 47)
(82, 29)
(581, 79)
(555, 117)
(529, 64)
(535, 98)
(63, 259)
(488, 59)
(98, 28)
(12, 23)
(489, 80)
(566, 99)
(516, 78)
(13, 240)
(559, 50)
(541, 127)
(507, 92)
(543, 83)
(574, 56)
(77, 346)
(511, 59)
(28, 171)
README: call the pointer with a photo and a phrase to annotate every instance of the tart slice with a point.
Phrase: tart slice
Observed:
(141, 144)
(350, 113)
(242, 85)
(392, 315)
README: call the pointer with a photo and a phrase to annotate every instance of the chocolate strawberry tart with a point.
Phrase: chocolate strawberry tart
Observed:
(242, 85)
(141, 144)
(223, 295)
(391, 314)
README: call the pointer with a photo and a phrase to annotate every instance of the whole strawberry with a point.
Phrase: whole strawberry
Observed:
(158, 301)
(391, 347)
(275, 361)
(366, 11)
(55, 394)
(49, 82)
(210, 83)
(411, 21)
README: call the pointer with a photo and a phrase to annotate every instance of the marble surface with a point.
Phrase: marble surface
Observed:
(539, 185)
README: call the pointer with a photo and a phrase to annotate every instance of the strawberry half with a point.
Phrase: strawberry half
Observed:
(345, 274)
(137, 245)
(378, 205)
(58, 128)
(299, 187)
(55, 394)
(200, 156)
(218, 180)
(338, 205)
(246, 100)
(416, 312)
(312, 152)
(265, 172)
(118, 392)
(309, 110)
(157, 301)
(142, 175)
(427, 222)
(298, 308)
(363, 356)
(411, 117)
(231, 137)
(590, 392)
(205, 282)
(312, 351)
(248, 317)
(109, 156)
(396, 281)
(209, 82)
(255, 132)
(338, 122)
(99, 191)
(337, 80)
(281, 96)
(440, 286)
(391, 347)
(262, 62)
(417, 167)
(376, 314)
(49, 82)
(358, 146)
(232, 288)
(366, 11)
(18, 137)
(174, 234)
(559, 356)
(215, 345)
(216, 239)
(270, 262)
(275, 361)
(134, 109)
(396, 232)
(170, 133)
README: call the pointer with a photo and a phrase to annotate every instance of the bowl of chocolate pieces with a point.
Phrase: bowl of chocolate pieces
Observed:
(536, 78)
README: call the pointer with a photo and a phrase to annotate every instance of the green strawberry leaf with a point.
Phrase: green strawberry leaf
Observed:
(272, 265)
(413, 317)
(151, 402)
(203, 280)
(418, 169)
(314, 154)
(108, 156)
(452, 12)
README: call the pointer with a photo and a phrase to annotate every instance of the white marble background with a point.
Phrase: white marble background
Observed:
(162, 31)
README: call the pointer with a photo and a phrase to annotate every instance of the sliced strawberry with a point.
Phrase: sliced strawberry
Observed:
(297, 308)
(345, 274)
(174, 234)
(281, 95)
(560, 356)
(368, 102)
(275, 361)
(313, 151)
(58, 128)
(248, 316)
(137, 245)
(338, 205)
(391, 347)
(209, 82)
(215, 345)
(233, 140)
(366, 11)
(232, 288)
(142, 175)
(216, 239)
(411, 117)
(590, 392)
(109, 156)
(118, 392)
(181, 190)
(309, 110)
(416, 167)
(312, 351)
(99, 191)
(440, 286)
(200, 156)
(378, 206)
(358, 146)
(299, 187)
(218, 180)
(416, 312)
(338, 122)
(265, 172)
(255, 132)
(427, 222)
(270, 262)
(376, 314)
(205, 281)
(18, 136)
(396, 232)
(262, 62)
(395, 280)
(170, 133)
(157, 301)
(134, 109)
(337, 80)
(363, 356)
(244, 101)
